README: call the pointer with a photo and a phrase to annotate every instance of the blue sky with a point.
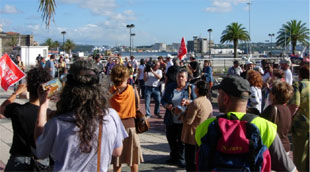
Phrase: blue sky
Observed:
(103, 22)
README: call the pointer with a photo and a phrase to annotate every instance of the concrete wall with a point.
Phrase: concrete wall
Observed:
(30, 53)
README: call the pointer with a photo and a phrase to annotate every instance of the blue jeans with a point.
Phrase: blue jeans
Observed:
(155, 93)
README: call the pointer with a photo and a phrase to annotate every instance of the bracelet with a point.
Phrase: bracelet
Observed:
(14, 93)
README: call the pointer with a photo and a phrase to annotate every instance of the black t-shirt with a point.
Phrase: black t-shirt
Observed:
(172, 74)
(23, 119)
(195, 66)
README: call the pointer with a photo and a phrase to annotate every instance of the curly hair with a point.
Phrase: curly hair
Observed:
(282, 92)
(36, 77)
(255, 78)
(202, 87)
(119, 74)
(87, 98)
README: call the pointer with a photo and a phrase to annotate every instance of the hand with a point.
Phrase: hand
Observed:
(169, 107)
(43, 98)
(185, 102)
(21, 88)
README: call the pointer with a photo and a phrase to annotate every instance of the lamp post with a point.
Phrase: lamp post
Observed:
(63, 40)
(132, 35)
(209, 30)
(271, 35)
(130, 26)
(249, 46)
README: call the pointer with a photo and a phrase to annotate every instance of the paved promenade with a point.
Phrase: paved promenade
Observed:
(154, 144)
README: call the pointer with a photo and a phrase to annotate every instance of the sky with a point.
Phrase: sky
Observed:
(103, 22)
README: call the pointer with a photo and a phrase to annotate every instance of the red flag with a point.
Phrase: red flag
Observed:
(182, 49)
(9, 72)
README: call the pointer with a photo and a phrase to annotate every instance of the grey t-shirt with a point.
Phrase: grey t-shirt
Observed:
(60, 140)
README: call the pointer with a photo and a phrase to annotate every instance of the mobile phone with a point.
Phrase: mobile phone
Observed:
(54, 85)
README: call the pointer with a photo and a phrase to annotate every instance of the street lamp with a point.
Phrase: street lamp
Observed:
(130, 26)
(271, 35)
(132, 44)
(249, 46)
(209, 30)
(63, 40)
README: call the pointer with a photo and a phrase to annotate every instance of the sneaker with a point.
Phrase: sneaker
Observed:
(148, 116)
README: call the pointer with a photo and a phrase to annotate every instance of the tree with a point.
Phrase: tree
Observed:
(56, 45)
(50, 43)
(47, 9)
(69, 46)
(292, 32)
(233, 33)
(13, 41)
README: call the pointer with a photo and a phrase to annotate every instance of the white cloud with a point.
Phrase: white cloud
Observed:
(223, 6)
(9, 9)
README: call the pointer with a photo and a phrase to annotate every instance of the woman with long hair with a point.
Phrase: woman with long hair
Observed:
(256, 83)
(123, 100)
(71, 137)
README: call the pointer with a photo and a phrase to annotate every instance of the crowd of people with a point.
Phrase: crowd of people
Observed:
(94, 124)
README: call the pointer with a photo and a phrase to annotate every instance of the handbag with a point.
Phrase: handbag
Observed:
(142, 124)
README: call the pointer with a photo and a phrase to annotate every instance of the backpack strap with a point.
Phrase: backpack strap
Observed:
(248, 117)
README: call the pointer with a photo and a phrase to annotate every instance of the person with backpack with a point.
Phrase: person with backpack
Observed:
(237, 140)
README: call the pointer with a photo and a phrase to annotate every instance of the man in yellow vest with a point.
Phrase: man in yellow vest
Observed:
(232, 99)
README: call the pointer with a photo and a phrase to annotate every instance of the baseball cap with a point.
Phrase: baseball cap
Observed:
(234, 86)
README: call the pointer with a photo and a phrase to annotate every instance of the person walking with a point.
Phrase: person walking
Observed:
(83, 127)
(125, 100)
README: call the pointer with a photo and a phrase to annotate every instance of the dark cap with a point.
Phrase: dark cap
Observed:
(234, 86)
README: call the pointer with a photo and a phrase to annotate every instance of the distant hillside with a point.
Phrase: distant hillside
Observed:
(83, 48)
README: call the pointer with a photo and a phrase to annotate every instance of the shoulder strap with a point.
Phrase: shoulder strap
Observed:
(248, 117)
(99, 145)
(189, 89)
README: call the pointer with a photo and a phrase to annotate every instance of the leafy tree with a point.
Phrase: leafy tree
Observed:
(233, 33)
(292, 32)
(47, 9)
(69, 46)
(13, 41)
(50, 43)
(56, 45)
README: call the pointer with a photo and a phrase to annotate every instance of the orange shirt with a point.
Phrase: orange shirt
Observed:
(124, 103)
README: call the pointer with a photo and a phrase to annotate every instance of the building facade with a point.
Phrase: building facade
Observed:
(9, 40)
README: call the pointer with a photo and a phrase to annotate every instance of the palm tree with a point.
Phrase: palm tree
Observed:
(233, 33)
(50, 43)
(56, 45)
(292, 32)
(47, 9)
(69, 46)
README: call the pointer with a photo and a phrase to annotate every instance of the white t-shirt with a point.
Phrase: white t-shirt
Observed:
(152, 81)
(141, 70)
(288, 76)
